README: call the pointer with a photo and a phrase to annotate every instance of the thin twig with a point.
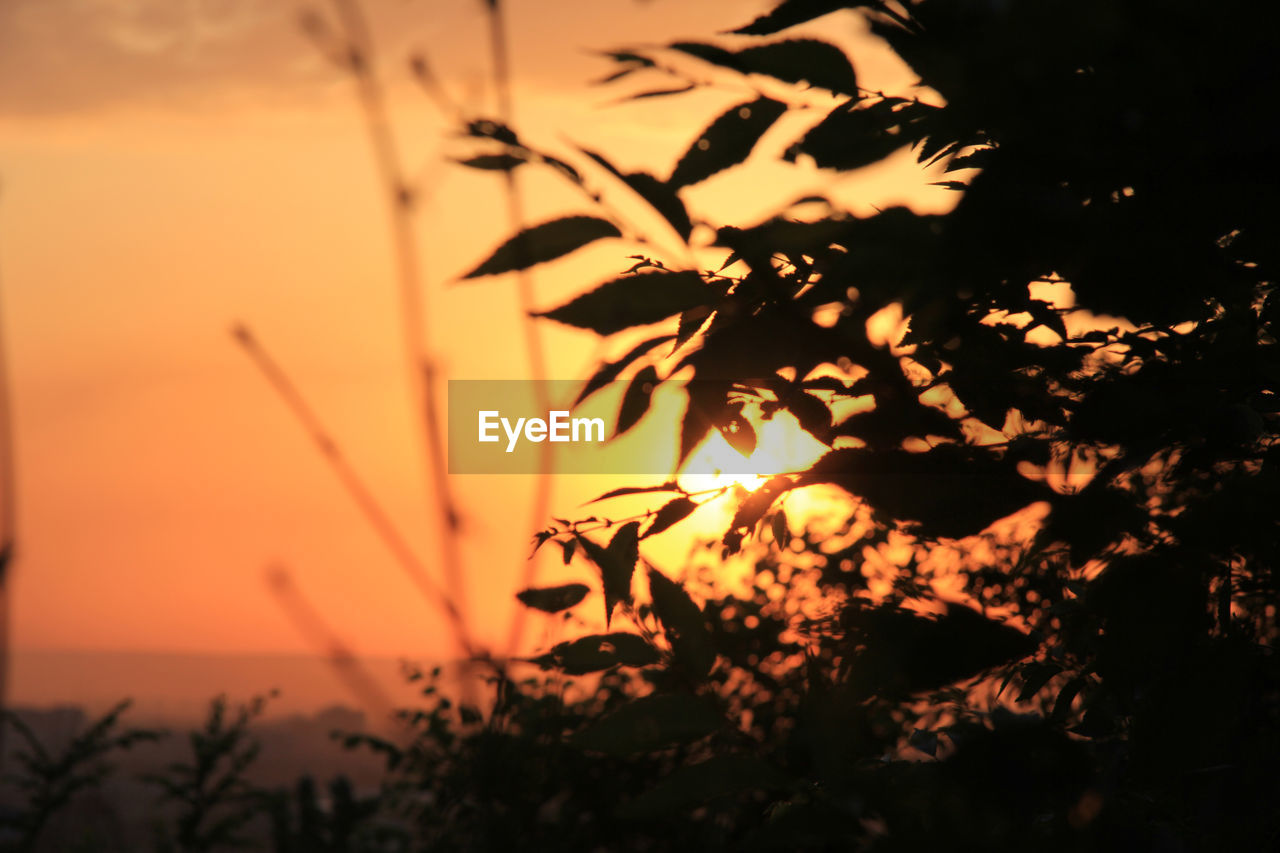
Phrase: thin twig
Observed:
(541, 506)
(349, 669)
(423, 374)
(8, 526)
(356, 488)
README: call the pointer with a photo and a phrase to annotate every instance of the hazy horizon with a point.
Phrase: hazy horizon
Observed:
(177, 687)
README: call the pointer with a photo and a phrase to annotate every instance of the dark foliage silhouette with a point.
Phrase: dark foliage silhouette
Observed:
(1109, 679)
(1118, 150)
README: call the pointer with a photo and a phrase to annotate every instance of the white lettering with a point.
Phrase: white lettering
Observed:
(587, 424)
(487, 424)
(559, 424)
(513, 435)
(558, 427)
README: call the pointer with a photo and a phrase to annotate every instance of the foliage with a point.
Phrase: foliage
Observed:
(49, 781)
(208, 802)
(214, 798)
(1046, 619)
(331, 821)
(1100, 303)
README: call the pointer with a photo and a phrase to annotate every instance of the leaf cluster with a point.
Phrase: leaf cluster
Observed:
(1089, 349)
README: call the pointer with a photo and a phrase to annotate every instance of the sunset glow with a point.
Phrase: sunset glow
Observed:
(176, 177)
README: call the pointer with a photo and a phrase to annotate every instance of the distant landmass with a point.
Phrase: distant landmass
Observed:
(124, 807)
(176, 688)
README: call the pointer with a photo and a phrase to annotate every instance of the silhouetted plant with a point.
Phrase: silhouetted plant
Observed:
(214, 798)
(333, 821)
(49, 781)
(1101, 298)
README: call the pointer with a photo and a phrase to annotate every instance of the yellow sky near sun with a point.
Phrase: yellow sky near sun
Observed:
(167, 173)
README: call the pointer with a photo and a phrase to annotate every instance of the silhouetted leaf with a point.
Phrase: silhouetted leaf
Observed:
(616, 75)
(553, 599)
(932, 148)
(636, 490)
(1036, 675)
(952, 491)
(1044, 314)
(854, 135)
(562, 167)
(781, 531)
(791, 12)
(695, 784)
(670, 514)
(617, 564)
(1066, 696)
(816, 62)
(812, 414)
(631, 62)
(599, 555)
(660, 93)
(610, 370)
(894, 652)
(493, 162)
(542, 537)
(660, 196)
(685, 623)
(704, 399)
(489, 129)
(545, 242)
(925, 741)
(727, 141)
(632, 300)
(629, 57)
(635, 401)
(751, 510)
(973, 160)
(714, 54)
(827, 383)
(599, 652)
(740, 435)
(649, 723)
(690, 322)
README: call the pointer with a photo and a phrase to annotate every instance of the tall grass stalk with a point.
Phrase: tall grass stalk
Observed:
(8, 525)
(355, 486)
(350, 670)
(534, 350)
(358, 57)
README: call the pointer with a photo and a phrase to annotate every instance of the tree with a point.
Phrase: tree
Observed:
(1111, 153)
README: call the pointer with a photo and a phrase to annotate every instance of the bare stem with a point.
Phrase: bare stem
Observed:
(8, 532)
(422, 371)
(356, 488)
(534, 351)
(349, 669)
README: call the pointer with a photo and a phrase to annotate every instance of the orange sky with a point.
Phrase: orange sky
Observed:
(169, 169)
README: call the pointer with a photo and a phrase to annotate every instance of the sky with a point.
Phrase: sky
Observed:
(171, 169)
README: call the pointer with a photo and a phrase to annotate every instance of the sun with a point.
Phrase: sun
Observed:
(782, 447)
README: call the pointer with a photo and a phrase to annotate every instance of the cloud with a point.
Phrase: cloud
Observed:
(70, 56)
(89, 57)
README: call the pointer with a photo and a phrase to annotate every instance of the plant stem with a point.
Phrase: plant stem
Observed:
(356, 488)
(422, 371)
(312, 626)
(534, 352)
(8, 531)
